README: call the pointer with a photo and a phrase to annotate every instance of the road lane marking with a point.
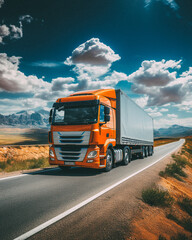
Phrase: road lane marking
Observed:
(85, 202)
(30, 173)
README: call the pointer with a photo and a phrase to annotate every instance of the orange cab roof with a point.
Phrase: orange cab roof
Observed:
(109, 93)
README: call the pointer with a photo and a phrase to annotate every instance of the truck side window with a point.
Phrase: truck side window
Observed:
(102, 113)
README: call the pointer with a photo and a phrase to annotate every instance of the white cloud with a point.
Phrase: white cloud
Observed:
(155, 80)
(92, 52)
(172, 115)
(9, 106)
(163, 110)
(46, 64)
(16, 32)
(1, 3)
(26, 18)
(4, 32)
(12, 32)
(152, 73)
(155, 114)
(164, 122)
(13, 80)
(59, 84)
(171, 3)
(141, 101)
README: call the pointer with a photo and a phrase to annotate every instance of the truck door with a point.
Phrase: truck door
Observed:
(105, 128)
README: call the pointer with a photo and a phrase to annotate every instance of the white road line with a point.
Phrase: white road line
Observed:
(78, 206)
(30, 173)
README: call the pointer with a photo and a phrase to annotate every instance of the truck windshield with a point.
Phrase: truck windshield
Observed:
(75, 115)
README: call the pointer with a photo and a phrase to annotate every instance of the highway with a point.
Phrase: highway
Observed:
(30, 200)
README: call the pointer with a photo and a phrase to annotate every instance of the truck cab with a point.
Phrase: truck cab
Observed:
(83, 128)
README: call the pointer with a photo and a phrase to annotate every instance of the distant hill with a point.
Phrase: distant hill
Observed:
(26, 119)
(173, 131)
(39, 119)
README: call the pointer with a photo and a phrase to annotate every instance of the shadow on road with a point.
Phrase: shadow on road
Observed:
(74, 171)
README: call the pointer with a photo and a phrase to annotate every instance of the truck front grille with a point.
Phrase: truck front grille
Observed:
(69, 138)
(70, 153)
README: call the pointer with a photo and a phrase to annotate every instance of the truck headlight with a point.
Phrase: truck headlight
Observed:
(92, 154)
(51, 153)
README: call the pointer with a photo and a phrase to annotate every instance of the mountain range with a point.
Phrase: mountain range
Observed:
(39, 119)
(27, 119)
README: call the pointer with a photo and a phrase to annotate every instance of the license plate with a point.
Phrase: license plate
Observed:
(70, 163)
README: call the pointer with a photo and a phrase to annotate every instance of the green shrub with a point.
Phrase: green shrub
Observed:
(156, 197)
(180, 160)
(186, 205)
(173, 170)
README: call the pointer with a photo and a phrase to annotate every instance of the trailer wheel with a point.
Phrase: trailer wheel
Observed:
(64, 168)
(146, 151)
(109, 160)
(126, 156)
(142, 154)
(150, 150)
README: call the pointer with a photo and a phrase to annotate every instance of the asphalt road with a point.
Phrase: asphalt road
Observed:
(30, 200)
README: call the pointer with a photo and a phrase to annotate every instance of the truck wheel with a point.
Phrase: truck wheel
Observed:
(142, 154)
(64, 168)
(109, 160)
(126, 156)
(146, 151)
(150, 150)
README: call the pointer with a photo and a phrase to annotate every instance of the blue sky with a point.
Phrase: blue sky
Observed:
(49, 49)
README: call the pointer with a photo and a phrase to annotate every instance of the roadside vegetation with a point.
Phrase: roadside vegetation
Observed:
(156, 197)
(162, 141)
(13, 165)
(15, 158)
(175, 200)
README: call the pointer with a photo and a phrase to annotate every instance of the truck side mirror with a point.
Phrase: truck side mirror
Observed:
(50, 116)
(107, 118)
(106, 110)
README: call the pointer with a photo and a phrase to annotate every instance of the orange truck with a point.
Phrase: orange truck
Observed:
(97, 129)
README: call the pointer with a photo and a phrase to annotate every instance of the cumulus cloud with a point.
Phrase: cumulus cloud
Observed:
(1, 3)
(4, 32)
(158, 81)
(171, 3)
(11, 32)
(26, 18)
(92, 52)
(92, 61)
(16, 32)
(13, 80)
(9, 106)
(172, 115)
(152, 73)
(163, 110)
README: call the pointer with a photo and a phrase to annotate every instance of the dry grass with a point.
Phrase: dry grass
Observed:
(162, 141)
(13, 158)
(175, 221)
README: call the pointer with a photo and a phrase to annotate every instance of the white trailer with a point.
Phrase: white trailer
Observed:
(134, 127)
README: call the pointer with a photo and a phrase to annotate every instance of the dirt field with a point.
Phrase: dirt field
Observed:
(23, 136)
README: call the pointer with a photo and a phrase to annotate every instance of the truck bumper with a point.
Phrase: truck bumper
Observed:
(97, 162)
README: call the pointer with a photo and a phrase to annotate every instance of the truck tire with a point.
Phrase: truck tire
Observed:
(126, 156)
(64, 168)
(146, 151)
(142, 154)
(150, 150)
(109, 160)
